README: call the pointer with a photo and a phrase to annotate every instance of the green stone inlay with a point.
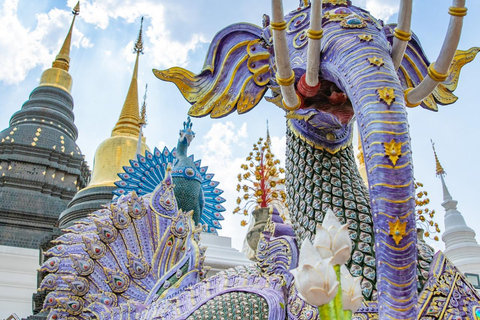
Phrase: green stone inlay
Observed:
(233, 305)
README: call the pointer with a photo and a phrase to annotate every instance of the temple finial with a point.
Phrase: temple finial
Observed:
(143, 112)
(129, 122)
(143, 121)
(57, 75)
(439, 169)
(268, 140)
(138, 48)
(62, 60)
(76, 9)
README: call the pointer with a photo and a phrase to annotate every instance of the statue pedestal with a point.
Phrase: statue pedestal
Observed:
(220, 255)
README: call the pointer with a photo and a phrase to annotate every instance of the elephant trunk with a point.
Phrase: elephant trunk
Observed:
(367, 75)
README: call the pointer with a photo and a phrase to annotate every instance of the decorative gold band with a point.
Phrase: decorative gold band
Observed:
(407, 103)
(315, 34)
(282, 25)
(294, 107)
(435, 75)
(285, 82)
(457, 12)
(402, 35)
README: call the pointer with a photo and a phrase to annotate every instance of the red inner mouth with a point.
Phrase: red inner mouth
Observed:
(331, 99)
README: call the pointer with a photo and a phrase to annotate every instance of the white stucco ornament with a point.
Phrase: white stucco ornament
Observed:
(315, 277)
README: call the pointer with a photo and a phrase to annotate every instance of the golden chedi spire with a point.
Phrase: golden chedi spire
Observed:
(57, 75)
(129, 120)
(438, 167)
(127, 139)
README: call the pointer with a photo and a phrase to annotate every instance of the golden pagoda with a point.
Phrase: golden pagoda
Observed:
(116, 151)
(113, 153)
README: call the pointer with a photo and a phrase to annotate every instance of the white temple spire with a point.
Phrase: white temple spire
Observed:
(461, 247)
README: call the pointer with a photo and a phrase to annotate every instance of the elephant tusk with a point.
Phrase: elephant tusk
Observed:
(402, 32)
(314, 34)
(438, 71)
(285, 75)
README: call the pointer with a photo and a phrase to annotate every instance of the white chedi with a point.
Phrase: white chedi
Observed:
(351, 290)
(315, 277)
(316, 280)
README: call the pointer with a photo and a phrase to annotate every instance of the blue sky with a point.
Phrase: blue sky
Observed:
(178, 33)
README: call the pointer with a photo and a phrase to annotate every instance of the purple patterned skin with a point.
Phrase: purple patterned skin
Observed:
(391, 186)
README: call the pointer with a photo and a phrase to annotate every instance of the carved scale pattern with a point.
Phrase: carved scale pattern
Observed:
(317, 181)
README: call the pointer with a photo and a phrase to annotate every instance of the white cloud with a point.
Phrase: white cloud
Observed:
(380, 9)
(217, 149)
(24, 49)
(278, 148)
(164, 48)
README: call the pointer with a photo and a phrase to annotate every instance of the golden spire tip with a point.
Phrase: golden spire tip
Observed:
(439, 169)
(138, 48)
(130, 122)
(57, 75)
(76, 9)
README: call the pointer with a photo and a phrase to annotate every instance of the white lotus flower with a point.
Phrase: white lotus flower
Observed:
(315, 278)
(351, 291)
(341, 244)
(323, 242)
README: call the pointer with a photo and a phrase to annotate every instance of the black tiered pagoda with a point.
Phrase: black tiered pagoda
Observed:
(41, 166)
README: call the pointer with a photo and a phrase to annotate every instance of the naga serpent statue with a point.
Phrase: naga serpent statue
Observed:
(326, 63)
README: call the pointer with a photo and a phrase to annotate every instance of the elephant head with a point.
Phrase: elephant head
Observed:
(326, 64)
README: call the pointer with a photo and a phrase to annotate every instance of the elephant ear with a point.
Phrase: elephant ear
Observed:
(414, 68)
(235, 74)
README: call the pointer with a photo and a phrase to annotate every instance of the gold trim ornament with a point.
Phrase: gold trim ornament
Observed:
(435, 75)
(408, 103)
(297, 106)
(393, 150)
(402, 35)
(386, 95)
(398, 230)
(282, 25)
(315, 34)
(457, 12)
(337, 15)
(285, 82)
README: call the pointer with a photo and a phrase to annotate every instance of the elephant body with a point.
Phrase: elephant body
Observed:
(358, 80)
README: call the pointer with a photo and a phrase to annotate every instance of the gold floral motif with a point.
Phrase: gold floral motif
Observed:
(365, 37)
(387, 95)
(398, 230)
(375, 61)
(393, 150)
